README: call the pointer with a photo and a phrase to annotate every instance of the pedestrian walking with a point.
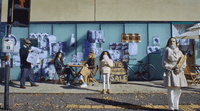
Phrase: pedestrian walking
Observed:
(105, 68)
(174, 77)
(25, 66)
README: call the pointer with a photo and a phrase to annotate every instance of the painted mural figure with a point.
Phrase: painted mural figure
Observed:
(105, 68)
(25, 66)
(174, 77)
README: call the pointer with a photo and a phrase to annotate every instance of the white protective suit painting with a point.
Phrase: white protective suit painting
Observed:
(170, 59)
(174, 77)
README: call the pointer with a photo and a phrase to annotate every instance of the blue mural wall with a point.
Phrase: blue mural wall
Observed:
(113, 33)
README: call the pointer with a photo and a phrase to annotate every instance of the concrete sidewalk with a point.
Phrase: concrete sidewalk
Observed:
(131, 87)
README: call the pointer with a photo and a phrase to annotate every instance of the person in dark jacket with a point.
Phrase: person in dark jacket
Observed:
(60, 67)
(25, 66)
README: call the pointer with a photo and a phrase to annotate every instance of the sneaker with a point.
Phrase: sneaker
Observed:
(84, 85)
(68, 84)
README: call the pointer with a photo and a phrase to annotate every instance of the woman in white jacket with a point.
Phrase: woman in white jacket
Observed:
(174, 77)
(106, 64)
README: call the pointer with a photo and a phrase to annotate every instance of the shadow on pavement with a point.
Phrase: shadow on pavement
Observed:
(12, 85)
(123, 105)
(2, 109)
(160, 85)
(191, 89)
(78, 87)
(148, 85)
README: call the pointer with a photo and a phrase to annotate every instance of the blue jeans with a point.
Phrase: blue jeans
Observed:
(26, 72)
(68, 72)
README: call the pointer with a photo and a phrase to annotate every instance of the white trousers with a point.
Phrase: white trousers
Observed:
(174, 94)
(106, 77)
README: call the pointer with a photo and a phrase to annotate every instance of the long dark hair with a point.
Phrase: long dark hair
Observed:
(169, 40)
(61, 59)
(101, 57)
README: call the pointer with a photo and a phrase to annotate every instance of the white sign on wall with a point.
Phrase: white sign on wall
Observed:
(8, 44)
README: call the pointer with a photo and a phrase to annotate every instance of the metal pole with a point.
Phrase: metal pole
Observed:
(7, 68)
(6, 91)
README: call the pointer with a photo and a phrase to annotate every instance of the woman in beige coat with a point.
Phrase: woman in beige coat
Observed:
(105, 68)
(174, 77)
(92, 65)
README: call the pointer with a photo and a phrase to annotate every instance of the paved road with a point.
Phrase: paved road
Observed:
(98, 102)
